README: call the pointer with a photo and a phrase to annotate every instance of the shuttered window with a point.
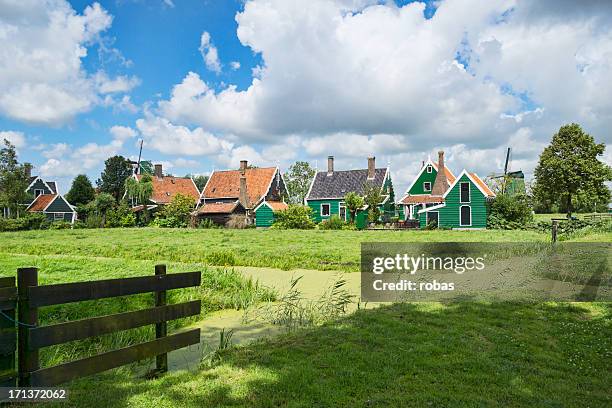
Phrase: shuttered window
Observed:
(465, 192)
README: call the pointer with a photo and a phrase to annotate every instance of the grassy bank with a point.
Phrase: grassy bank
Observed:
(322, 250)
(220, 289)
(467, 354)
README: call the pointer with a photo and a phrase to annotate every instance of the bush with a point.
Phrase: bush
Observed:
(510, 212)
(176, 214)
(30, 221)
(207, 223)
(120, 217)
(294, 217)
(58, 225)
(168, 222)
(237, 221)
(333, 223)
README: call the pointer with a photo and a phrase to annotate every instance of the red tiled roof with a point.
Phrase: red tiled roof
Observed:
(277, 205)
(165, 188)
(217, 208)
(422, 199)
(482, 185)
(226, 184)
(41, 202)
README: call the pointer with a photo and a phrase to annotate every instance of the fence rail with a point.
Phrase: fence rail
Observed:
(23, 335)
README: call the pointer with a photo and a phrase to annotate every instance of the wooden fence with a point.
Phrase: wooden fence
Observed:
(31, 337)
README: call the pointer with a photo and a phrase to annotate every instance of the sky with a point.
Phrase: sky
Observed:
(207, 83)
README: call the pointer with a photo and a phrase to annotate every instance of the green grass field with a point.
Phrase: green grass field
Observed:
(427, 354)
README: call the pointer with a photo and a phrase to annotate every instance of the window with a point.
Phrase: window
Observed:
(38, 192)
(432, 218)
(429, 168)
(465, 216)
(465, 192)
(325, 210)
(427, 186)
(58, 216)
(343, 211)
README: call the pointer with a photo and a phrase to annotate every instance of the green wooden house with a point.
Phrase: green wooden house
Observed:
(464, 205)
(54, 206)
(328, 189)
(420, 192)
(265, 213)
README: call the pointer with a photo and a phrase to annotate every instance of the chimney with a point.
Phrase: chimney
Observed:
(158, 171)
(330, 165)
(243, 196)
(28, 170)
(371, 167)
(243, 166)
(441, 182)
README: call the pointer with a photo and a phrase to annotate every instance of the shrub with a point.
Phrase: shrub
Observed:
(177, 213)
(168, 222)
(207, 223)
(30, 221)
(294, 217)
(333, 223)
(120, 216)
(58, 225)
(237, 221)
(510, 212)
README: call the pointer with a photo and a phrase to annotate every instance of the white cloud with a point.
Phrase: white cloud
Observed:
(209, 53)
(17, 139)
(42, 79)
(123, 133)
(169, 3)
(235, 65)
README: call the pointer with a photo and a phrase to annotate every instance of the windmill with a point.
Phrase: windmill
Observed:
(510, 182)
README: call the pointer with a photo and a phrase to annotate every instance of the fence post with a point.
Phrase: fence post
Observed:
(555, 225)
(26, 316)
(161, 329)
(8, 337)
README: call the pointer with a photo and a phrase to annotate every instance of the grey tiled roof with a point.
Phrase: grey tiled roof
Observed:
(339, 183)
(52, 186)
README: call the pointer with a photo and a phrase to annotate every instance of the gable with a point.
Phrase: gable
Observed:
(416, 187)
(339, 183)
(226, 184)
(59, 204)
(167, 187)
(39, 184)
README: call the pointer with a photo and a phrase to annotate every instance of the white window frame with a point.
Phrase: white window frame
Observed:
(60, 214)
(427, 216)
(429, 168)
(340, 207)
(328, 205)
(427, 189)
(461, 221)
(469, 192)
(38, 192)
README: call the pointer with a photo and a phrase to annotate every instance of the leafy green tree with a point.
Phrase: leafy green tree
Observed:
(372, 198)
(298, 179)
(569, 167)
(81, 192)
(512, 208)
(177, 213)
(112, 180)
(199, 180)
(294, 217)
(139, 191)
(353, 202)
(103, 203)
(13, 180)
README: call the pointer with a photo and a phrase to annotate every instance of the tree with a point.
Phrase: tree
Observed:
(353, 202)
(178, 211)
(294, 217)
(569, 168)
(13, 180)
(81, 192)
(199, 180)
(112, 180)
(139, 191)
(372, 198)
(298, 180)
(102, 204)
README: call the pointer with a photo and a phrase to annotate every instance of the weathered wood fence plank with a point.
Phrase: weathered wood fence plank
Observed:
(112, 359)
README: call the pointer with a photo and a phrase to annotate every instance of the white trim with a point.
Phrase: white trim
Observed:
(419, 175)
(310, 188)
(464, 172)
(449, 170)
(429, 168)
(38, 189)
(437, 221)
(321, 209)
(465, 225)
(469, 200)
(44, 182)
(427, 189)
(433, 207)
(202, 197)
(264, 202)
(196, 187)
(342, 204)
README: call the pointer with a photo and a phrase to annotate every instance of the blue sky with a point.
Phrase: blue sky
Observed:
(207, 83)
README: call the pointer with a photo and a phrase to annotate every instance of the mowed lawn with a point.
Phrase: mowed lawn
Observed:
(312, 249)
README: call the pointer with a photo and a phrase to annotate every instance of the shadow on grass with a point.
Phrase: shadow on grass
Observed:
(459, 354)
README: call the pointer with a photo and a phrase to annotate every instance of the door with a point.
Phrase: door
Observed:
(432, 216)
(342, 212)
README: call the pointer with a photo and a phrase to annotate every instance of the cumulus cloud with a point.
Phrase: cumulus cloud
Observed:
(42, 79)
(123, 133)
(17, 139)
(209, 53)
(235, 65)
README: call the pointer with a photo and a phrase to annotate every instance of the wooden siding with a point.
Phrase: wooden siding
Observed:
(39, 185)
(449, 214)
(417, 188)
(264, 216)
(316, 208)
